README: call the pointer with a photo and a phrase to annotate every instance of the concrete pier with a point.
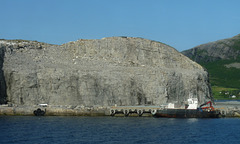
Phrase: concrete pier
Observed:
(228, 108)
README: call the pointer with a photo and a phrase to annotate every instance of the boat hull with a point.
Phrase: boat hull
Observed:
(186, 113)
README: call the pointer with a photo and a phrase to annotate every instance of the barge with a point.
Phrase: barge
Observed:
(191, 110)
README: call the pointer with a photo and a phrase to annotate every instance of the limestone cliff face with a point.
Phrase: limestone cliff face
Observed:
(104, 72)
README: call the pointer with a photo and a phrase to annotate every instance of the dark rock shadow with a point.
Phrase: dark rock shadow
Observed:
(3, 94)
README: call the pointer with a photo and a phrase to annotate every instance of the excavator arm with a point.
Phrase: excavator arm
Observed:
(207, 107)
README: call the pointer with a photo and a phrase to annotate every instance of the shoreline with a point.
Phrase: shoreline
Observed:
(227, 109)
(53, 111)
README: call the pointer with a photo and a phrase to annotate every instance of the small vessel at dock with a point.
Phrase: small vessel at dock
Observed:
(191, 110)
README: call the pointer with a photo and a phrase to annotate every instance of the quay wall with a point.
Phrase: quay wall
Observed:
(227, 110)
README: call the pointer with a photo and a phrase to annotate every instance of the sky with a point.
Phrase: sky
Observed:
(182, 24)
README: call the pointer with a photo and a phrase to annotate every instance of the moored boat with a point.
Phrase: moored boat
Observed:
(191, 110)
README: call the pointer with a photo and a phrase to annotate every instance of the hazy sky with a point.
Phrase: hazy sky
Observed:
(181, 24)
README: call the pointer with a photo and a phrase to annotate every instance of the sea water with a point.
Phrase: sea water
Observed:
(117, 130)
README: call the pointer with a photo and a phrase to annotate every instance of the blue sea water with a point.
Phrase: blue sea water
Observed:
(117, 130)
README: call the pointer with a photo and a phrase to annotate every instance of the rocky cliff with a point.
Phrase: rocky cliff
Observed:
(3, 95)
(102, 72)
(225, 49)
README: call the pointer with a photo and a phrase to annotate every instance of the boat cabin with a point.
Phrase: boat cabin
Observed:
(192, 103)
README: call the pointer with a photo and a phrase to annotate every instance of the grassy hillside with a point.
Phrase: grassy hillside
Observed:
(225, 81)
(222, 76)
(221, 93)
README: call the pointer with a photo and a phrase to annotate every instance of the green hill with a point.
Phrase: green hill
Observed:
(222, 61)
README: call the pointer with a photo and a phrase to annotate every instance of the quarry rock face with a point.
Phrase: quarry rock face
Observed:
(104, 72)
